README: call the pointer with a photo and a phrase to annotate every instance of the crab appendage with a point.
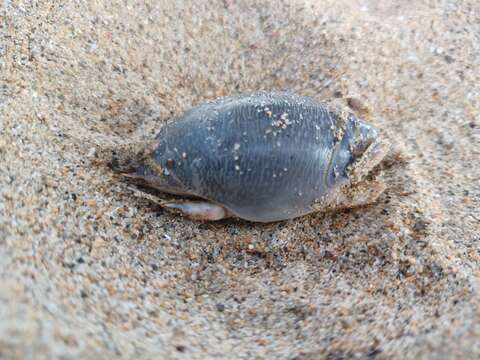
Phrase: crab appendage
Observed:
(351, 196)
(364, 186)
(198, 210)
(361, 194)
(372, 156)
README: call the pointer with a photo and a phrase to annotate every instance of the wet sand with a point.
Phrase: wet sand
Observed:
(87, 269)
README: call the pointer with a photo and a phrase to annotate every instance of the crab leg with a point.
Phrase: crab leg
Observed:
(198, 210)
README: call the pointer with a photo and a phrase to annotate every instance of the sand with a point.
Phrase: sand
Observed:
(88, 269)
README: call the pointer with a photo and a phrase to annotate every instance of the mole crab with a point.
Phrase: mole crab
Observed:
(264, 156)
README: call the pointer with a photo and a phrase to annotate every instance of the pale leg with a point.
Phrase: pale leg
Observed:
(198, 210)
(361, 194)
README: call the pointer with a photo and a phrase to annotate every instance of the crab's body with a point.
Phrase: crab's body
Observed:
(265, 156)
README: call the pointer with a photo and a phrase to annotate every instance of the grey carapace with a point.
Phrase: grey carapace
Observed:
(264, 156)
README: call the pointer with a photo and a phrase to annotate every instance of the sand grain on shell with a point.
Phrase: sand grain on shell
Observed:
(89, 269)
